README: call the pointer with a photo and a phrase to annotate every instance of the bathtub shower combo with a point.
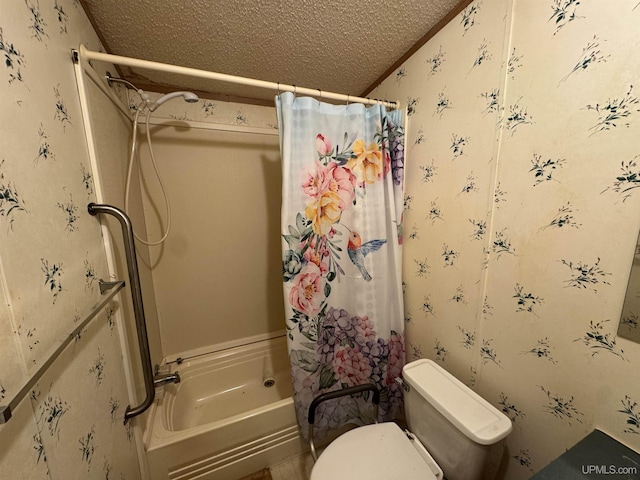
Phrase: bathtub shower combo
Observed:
(218, 411)
(219, 415)
(232, 414)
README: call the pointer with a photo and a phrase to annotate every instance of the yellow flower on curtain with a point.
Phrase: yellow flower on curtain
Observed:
(323, 212)
(367, 164)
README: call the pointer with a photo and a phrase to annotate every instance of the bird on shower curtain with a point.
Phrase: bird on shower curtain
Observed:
(357, 251)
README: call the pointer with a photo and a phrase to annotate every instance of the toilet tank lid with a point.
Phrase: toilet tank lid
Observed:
(469, 412)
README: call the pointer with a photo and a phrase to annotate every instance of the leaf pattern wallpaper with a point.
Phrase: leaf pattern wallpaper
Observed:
(51, 258)
(521, 214)
(521, 218)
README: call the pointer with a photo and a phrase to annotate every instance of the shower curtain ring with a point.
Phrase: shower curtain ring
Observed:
(320, 95)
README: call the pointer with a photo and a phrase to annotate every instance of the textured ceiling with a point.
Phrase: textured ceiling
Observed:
(333, 45)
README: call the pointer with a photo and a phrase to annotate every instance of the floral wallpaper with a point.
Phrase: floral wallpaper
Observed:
(521, 214)
(51, 259)
(520, 225)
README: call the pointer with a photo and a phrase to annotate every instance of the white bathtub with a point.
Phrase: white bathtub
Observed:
(221, 422)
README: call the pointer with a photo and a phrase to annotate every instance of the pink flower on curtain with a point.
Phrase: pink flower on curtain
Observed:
(386, 160)
(352, 367)
(323, 146)
(307, 293)
(311, 183)
(341, 181)
(396, 359)
(332, 189)
(368, 164)
(332, 178)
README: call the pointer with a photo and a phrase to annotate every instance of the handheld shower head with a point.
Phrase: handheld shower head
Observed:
(187, 96)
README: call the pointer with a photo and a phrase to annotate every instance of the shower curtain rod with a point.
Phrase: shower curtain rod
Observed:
(193, 72)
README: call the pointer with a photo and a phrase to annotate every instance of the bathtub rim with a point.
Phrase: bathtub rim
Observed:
(158, 437)
(195, 353)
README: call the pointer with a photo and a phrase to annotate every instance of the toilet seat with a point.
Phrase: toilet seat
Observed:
(378, 451)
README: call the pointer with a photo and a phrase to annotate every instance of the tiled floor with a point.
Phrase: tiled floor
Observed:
(294, 468)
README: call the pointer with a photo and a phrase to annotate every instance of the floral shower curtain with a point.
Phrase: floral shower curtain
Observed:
(341, 239)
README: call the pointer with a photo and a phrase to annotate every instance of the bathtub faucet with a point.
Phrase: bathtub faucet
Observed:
(160, 379)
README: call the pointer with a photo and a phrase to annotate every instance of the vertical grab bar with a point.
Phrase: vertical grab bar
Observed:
(138, 310)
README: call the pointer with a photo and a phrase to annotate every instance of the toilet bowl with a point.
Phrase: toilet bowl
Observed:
(452, 433)
(382, 450)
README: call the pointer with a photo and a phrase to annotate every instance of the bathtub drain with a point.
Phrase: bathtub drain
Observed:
(269, 382)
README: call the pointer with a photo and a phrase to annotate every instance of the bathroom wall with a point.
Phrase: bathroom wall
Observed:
(51, 258)
(522, 214)
(217, 276)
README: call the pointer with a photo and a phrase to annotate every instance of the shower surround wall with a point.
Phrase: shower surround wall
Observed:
(217, 278)
(521, 217)
(51, 257)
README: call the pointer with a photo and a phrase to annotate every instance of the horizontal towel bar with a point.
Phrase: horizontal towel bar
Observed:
(105, 287)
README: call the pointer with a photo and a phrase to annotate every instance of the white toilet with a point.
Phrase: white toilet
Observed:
(452, 429)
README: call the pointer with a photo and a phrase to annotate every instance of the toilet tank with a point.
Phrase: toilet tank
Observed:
(462, 431)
